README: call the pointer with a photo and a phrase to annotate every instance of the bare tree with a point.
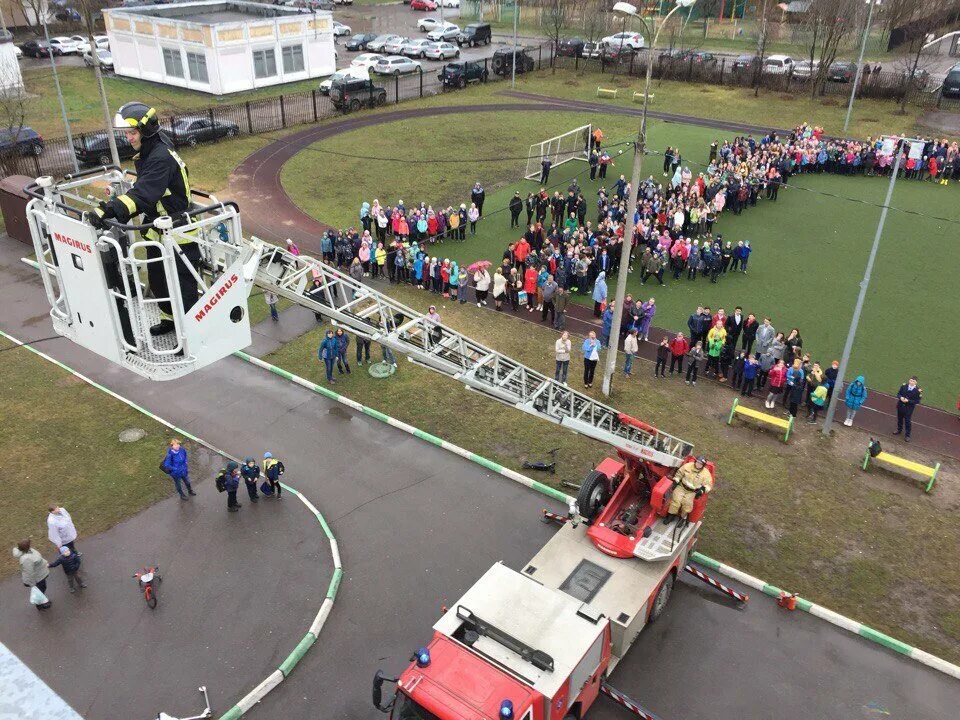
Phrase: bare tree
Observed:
(554, 19)
(831, 21)
(91, 12)
(12, 117)
(33, 13)
(762, 39)
(594, 19)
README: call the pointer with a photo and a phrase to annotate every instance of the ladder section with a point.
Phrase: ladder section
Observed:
(323, 289)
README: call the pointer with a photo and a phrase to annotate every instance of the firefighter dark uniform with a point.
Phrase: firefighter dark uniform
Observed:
(162, 188)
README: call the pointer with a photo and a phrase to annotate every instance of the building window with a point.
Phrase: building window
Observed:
(197, 65)
(172, 62)
(293, 59)
(264, 63)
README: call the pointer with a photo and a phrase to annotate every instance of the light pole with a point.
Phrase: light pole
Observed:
(898, 145)
(56, 82)
(859, 72)
(625, 248)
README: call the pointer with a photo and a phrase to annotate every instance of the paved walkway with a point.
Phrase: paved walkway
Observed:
(256, 185)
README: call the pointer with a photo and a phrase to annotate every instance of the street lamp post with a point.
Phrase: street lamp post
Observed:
(898, 145)
(56, 82)
(613, 343)
(859, 72)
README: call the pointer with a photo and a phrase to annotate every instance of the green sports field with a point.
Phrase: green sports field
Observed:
(810, 247)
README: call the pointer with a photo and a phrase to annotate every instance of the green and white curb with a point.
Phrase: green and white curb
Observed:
(766, 588)
(287, 666)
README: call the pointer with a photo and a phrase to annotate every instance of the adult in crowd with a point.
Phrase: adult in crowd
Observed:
(591, 355)
(33, 569)
(60, 528)
(562, 348)
(909, 396)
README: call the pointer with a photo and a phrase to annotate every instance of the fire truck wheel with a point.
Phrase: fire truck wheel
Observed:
(662, 598)
(594, 494)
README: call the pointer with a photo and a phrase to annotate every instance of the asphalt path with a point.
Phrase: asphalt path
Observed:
(416, 525)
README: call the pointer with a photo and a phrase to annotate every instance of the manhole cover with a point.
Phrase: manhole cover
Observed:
(132, 435)
(382, 370)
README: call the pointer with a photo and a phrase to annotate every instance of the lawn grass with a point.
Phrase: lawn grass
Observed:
(810, 247)
(60, 444)
(871, 546)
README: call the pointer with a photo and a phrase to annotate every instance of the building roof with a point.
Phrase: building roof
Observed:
(211, 12)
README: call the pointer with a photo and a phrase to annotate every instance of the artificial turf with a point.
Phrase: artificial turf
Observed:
(810, 247)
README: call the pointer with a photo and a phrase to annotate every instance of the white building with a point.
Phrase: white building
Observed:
(11, 81)
(219, 46)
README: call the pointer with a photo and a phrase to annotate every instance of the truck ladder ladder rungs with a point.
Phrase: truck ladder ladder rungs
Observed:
(376, 316)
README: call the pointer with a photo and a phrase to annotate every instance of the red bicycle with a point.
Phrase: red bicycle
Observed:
(148, 579)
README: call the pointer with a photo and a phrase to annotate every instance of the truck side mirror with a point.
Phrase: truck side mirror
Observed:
(378, 680)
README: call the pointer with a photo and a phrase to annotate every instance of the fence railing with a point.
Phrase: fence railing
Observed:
(199, 126)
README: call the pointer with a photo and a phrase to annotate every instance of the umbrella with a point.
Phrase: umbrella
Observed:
(478, 265)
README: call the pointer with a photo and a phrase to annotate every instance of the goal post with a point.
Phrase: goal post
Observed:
(572, 145)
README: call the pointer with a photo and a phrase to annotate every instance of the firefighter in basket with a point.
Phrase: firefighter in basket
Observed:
(162, 188)
(692, 480)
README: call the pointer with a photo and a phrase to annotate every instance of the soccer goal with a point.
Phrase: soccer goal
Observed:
(573, 145)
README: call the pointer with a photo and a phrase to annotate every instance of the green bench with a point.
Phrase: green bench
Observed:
(783, 424)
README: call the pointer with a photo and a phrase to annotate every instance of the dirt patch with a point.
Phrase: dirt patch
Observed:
(786, 98)
(829, 102)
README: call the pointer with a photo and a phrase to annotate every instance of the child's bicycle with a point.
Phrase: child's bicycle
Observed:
(148, 579)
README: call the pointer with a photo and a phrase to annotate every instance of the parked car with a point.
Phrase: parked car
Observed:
(365, 60)
(17, 51)
(631, 40)
(343, 2)
(415, 48)
(475, 34)
(104, 59)
(951, 83)
(38, 49)
(68, 15)
(744, 64)
(458, 74)
(591, 50)
(339, 29)
(395, 47)
(842, 72)
(423, 5)
(378, 43)
(194, 130)
(442, 51)
(778, 65)
(94, 149)
(359, 41)
(703, 59)
(570, 47)
(673, 55)
(396, 65)
(450, 33)
(20, 141)
(431, 23)
(102, 41)
(804, 70)
(66, 46)
(450, 3)
(82, 43)
(505, 58)
(359, 72)
(351, 94)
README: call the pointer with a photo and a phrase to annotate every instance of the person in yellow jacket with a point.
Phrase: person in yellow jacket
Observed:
(692, 480)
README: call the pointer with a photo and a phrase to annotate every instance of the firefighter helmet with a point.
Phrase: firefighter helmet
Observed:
(138, 116)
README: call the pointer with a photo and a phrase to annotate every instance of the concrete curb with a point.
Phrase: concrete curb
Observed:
(290, 662)
(766, 588)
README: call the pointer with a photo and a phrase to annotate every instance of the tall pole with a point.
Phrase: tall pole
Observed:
(864, 284)
(859, 73)
(104, 103)
(56, 82)
(513, 69)
(626, 246)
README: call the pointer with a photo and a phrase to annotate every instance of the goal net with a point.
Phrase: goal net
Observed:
(573, 145)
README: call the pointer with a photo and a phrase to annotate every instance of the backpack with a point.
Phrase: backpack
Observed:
(221, 481)
(280, 468)
(874, 447)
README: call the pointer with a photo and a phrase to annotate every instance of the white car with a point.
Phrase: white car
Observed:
(339, 29)
(104, 57)
(396, 65)
(343, 2)
(442, 51)
(448, 33)
(778, 64)
(395, 46)
(416, 48)
(431, 23)
(359, 72)
(66, 46)
(450, 3)
(366, 60)
(633, 41)
(17, 51)
(82, 43)
(379, 43)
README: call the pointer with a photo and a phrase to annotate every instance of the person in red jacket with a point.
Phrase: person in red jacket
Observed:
(776, 378)
(530, 287)
(522, 249)
(679, 347)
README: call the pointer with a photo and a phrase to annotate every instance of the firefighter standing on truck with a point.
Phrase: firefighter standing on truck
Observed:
(162, 188)
(692, 480)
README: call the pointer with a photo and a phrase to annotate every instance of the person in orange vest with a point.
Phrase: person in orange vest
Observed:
(596, 139)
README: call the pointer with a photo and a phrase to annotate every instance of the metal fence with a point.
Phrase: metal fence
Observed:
(883, 85)
(190, 128)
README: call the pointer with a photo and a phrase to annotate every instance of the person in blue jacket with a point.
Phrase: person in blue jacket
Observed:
(607, 325)
(599, 293)
(175, 465)
(591, 355)
(231, 484)
(343, 342)
(855, 397)
(250, 472)
(327, 352)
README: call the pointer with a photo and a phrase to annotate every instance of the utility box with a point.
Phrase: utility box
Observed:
(13, 205)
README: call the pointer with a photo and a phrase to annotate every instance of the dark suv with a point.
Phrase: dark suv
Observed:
(351, 94)
(458, 74)
(475, 34)
(20, 141)
(504, 59)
